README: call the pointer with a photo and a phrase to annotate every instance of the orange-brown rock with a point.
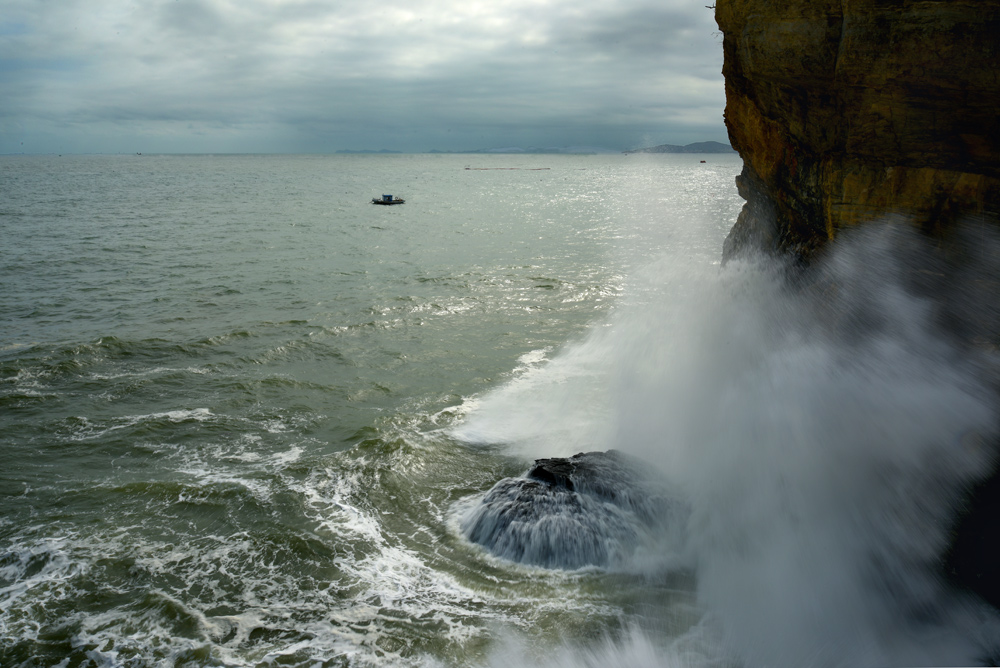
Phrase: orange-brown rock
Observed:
(847, 110)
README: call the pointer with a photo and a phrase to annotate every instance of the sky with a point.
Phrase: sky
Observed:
(317, 76)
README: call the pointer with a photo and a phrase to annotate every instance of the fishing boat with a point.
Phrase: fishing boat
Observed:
(387, 199)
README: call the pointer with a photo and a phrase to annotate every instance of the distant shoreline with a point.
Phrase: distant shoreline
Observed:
(697, 147)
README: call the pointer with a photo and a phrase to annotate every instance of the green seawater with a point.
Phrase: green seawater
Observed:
(230, 389)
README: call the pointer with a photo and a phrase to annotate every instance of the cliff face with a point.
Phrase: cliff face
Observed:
(846, 110)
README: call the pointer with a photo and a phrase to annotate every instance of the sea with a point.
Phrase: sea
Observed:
(243, 413)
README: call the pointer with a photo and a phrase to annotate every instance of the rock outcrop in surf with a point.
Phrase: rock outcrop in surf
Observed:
(591, 509)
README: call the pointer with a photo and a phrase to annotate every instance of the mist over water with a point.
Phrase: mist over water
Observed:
(822, 428)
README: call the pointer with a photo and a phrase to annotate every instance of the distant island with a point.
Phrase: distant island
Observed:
(697, 147)
(384, 150)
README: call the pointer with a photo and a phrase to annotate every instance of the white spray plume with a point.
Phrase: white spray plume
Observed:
(821, 433)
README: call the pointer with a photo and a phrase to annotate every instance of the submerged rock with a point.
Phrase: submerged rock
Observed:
(591, 509)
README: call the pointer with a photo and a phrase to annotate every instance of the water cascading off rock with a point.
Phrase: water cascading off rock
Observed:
(591, 509)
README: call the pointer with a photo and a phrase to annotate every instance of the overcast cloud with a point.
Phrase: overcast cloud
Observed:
(323, 75)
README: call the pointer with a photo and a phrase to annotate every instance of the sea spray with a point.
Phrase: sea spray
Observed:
(633, 647)
(822, 425)
(823, 435)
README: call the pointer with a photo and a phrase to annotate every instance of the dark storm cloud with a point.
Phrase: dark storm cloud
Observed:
(285, 75)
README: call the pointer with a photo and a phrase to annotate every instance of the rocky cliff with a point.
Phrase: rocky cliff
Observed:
(847, 110)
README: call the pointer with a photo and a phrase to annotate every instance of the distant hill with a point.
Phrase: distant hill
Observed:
(368, 151)
(697, 147)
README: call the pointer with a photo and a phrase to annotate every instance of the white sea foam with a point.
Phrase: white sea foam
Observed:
(142, 373)
(27, 565)
(291, 455)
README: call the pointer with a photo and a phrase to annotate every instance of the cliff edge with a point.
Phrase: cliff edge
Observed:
(847, 110)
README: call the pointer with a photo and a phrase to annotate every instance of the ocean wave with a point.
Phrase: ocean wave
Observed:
(85, 430)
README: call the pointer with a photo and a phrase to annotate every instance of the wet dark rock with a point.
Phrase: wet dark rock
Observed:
(971, 560)
(591, 509)
(557, 472)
